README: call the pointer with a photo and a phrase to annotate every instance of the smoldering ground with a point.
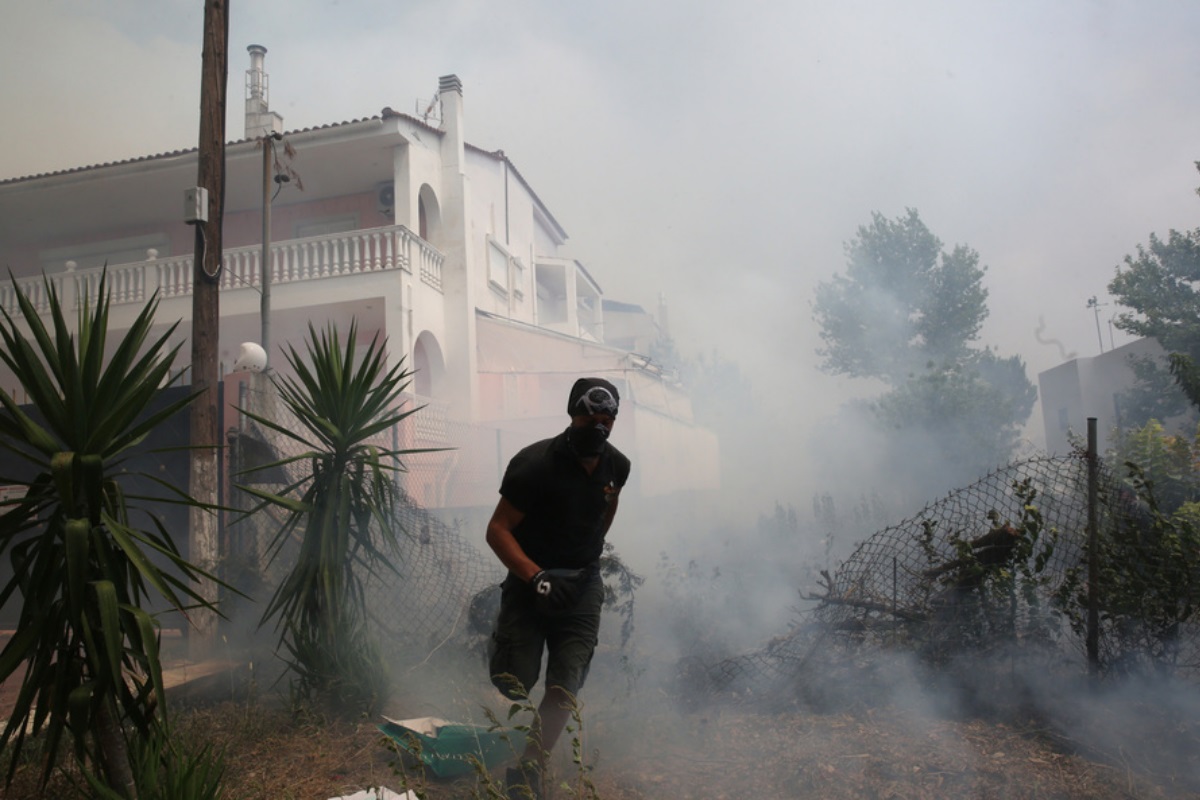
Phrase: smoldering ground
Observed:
(828, 700)
(727, 672)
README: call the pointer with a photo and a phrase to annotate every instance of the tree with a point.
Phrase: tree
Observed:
(906, 312)
(1159, 286)
(903, 302)
(721, 395)
(971, 411)
(342, 510)
(1148, 560)
(1154, 394)
(665, 354)
(83, 571)
(1169, 463)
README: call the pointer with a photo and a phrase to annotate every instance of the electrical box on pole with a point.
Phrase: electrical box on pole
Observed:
(195, 205)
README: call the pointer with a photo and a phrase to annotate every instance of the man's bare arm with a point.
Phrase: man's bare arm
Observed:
(500, 538)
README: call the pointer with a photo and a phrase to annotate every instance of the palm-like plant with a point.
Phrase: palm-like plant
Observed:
(82, 571)
(341, 510)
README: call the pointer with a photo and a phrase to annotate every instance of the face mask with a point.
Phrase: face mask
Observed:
(588, 440)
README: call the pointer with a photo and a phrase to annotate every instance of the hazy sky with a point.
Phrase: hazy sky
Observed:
(720, 153)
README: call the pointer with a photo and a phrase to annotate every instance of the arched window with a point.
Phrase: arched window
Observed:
(429, 216)
(428, 365)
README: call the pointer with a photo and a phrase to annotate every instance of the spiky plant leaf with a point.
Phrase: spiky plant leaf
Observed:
(342, 509)
(81, 572)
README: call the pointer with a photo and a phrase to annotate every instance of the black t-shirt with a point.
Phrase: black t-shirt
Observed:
(564, 506)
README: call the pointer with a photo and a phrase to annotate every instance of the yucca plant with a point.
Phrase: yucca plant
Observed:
(82, 572)
(166, 769)
(341, 511)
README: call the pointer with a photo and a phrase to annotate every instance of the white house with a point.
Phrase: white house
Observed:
(440, 246)
(1090, 387)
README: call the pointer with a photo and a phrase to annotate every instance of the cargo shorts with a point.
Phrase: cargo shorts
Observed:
(522, 632)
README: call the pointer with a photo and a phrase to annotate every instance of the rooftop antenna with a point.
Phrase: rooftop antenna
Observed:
(1095, 304)
(432, 110)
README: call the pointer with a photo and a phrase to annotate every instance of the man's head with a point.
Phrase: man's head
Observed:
(593, 405)
(590, 396)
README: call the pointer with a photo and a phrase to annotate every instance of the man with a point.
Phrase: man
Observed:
(557, 501)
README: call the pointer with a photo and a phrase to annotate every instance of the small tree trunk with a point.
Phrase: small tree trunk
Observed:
(114, 753)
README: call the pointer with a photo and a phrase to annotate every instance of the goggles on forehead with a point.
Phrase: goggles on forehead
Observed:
(597, 400)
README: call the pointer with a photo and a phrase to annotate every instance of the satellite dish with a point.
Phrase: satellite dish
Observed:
(251, 358)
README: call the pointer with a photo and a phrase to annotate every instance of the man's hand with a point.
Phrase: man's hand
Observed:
(557, 590)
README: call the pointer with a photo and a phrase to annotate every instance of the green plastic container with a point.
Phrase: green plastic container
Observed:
(446, 748)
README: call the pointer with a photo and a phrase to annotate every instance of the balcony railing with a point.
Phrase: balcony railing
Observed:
(394, 247)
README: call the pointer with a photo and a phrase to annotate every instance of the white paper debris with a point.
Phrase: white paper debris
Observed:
(382, 793)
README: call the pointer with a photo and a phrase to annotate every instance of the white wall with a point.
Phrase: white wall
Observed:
(1087, 387)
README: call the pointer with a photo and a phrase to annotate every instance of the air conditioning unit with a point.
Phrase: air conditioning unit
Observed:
(385, 198)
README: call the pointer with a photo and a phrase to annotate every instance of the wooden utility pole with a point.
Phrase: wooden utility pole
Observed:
(205, 434)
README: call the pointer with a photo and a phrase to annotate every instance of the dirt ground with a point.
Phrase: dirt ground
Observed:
(646, 749)
(729, 755)
(881, 753)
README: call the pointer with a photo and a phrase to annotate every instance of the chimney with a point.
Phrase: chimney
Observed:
(450, 94)
(260, 120)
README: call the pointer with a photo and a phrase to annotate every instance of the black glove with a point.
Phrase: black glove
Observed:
(557, 590)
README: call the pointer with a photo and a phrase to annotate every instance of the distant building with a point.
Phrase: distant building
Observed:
(440, 246)
(629, 326)
(1089, 387)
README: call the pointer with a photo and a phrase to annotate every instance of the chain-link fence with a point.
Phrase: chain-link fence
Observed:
(997, 567)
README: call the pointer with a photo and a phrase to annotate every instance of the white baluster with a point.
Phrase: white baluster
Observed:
(68, 290)
(389, 256)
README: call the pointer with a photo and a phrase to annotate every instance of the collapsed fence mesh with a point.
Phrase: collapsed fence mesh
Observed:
(997, 566)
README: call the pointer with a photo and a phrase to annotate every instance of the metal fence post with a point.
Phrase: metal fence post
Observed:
(1093, 553)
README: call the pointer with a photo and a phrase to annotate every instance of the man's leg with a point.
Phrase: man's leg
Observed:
(571, 643)
(524, 782)
(552, 716)
(515, 649)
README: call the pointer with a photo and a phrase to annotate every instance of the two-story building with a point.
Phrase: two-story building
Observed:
(1091, 387)
(442, 247)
